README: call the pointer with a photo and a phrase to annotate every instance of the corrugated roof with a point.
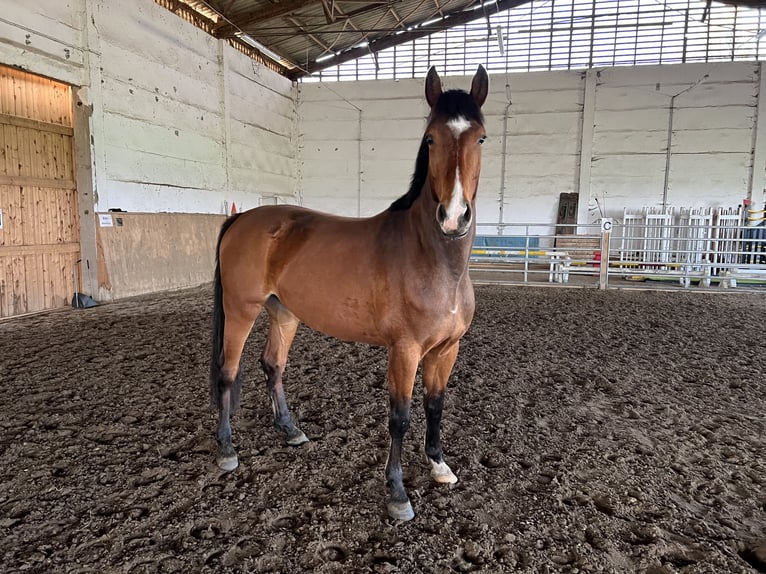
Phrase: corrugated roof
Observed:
(304, 37)
(299, 37)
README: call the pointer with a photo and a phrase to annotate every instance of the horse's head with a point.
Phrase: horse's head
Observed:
(454, 136)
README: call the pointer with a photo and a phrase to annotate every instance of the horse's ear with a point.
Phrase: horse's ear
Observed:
(433, 87)
(480, 86)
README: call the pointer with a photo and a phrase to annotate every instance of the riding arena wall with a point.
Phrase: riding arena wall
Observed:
(173, 129)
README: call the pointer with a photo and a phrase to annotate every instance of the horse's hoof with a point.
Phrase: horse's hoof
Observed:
(228, 463)
(297, 439)
(442, 473)
(401, 510)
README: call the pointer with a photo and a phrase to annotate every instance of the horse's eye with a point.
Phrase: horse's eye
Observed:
(429, 139)
(482, 139)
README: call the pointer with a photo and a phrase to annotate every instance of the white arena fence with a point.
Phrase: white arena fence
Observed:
(668, 247)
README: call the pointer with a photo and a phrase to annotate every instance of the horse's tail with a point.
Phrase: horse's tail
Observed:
(219, 321)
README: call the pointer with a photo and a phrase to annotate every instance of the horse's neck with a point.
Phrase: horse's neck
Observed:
(442, 251)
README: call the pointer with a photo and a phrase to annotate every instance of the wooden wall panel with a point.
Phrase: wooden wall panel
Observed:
(10, 203)
(12, 297)
(39, 242)
(33, 269)
(26, 95)
(150, 252)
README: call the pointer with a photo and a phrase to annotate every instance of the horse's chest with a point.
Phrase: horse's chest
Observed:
(447, 308)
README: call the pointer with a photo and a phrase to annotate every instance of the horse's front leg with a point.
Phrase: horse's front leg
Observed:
(402, 367)
(437, 367)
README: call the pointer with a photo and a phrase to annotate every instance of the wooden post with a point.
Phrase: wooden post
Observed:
(606, 233)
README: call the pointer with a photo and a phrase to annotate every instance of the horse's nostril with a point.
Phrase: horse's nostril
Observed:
(441, 214)
(467, 214)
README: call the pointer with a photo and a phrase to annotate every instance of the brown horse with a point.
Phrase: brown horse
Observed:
(398, 279)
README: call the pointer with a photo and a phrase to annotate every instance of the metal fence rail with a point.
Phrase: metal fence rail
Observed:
(700, 248)
(529, 253)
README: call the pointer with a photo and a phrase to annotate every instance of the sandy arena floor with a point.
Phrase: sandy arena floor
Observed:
(618, 431)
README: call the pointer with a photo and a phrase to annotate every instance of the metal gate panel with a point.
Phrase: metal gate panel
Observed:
(656, 247)
(727, 238)
(694, 239)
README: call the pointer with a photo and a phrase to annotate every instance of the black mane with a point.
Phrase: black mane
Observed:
(451, 104)
(417, 182)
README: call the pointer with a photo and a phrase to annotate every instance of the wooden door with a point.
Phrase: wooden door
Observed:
(567, 213)
(40, 234)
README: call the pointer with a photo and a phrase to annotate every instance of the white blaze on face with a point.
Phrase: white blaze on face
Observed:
(458, 125)
(457, 205)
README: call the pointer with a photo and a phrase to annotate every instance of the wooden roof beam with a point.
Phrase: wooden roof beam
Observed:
(439, 8)
(231, 26)
(396, 39)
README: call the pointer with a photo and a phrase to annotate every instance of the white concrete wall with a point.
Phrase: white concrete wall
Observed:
(543, 145)
(712, 141)
(44, 37)
(379, 123)
(712, 146)
(180, 121)
(542, 148)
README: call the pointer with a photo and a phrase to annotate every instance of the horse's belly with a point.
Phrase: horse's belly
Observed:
(343, 296)
(345, 317)
(350, 318)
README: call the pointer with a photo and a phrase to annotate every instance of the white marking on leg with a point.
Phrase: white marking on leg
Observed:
(442, 473)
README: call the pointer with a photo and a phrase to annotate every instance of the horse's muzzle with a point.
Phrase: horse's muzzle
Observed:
(457, 227)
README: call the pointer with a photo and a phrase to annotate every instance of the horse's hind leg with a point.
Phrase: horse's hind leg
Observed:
(228, 382)
(282, 327)
(437, 366)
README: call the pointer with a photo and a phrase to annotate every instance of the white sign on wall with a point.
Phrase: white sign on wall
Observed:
(105, 220)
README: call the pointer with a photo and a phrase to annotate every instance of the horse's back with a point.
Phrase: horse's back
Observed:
(321, 267)
(266, 230)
